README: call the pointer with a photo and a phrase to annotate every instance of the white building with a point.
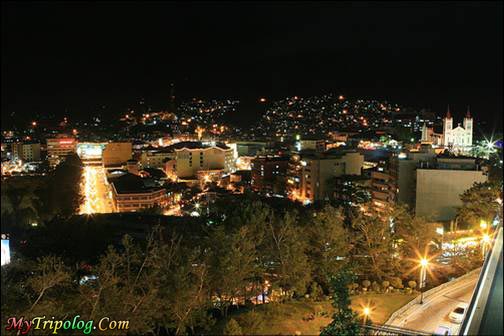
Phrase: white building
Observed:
(459, 137)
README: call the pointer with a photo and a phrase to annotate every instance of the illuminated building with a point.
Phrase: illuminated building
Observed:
(308, 173)
(192, 157)
(250, 148)
(26, 151)
(116, 153)
(156, 157)
(318, 145)
(131, 193)
(91, 153)
(383, 191)
(440, 184)
(459, 137)
(58, 148)
(269, 173)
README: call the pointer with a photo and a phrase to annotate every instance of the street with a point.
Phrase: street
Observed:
(95, 191)
(435, 309)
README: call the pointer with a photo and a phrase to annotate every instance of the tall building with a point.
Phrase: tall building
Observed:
(269, 173)
(192, 157)
(26, 151)
(309, 173)
(439, 186)
(383, 190)
(459, 137)
(403, 173)
(58, 148)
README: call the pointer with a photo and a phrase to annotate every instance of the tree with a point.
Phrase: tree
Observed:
(327, 243)
(479, 203)
(345, 321)
(127, 285)
(286, 254)
(413, 235)
(232, 264)
(232, 328)
(50, 273)
(373, 245)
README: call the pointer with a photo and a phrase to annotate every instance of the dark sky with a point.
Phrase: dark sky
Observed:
(79, 56)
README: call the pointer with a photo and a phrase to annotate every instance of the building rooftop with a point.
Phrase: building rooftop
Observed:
(131, 184)
(194, 145)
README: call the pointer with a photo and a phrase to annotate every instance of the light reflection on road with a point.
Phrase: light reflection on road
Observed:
(95, 191)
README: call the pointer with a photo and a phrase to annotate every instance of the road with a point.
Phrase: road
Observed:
(436, 308)
(95, 191)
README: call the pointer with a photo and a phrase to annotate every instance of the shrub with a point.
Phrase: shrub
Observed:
(412, 284)
(316, 292)
(385, 284)
(251, 322)
(375, 286)
(396, 283)
(232, 328)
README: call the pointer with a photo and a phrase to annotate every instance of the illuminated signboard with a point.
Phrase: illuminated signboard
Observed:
(5, 250)
(90, 150)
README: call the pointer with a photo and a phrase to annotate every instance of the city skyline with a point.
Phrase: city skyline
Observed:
(80, 57)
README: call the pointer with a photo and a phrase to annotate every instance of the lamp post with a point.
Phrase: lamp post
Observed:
(423, 274)
(366, 311)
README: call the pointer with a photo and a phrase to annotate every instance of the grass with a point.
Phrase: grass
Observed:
(382, 305)
(307, 318)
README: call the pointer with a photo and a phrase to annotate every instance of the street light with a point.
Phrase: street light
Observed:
(366, 311)
(483, 224)
(423, 274)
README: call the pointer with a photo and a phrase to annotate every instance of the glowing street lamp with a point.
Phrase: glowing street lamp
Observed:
(483, 224)
(366, 311)
(423, 274)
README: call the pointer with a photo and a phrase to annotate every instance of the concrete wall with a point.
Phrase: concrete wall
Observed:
(116, 153)
(438, 191)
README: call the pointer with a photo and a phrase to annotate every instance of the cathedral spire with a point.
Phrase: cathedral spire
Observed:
(468, 114)
(448, 114)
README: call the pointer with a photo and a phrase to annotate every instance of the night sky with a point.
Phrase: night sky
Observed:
(79, 57)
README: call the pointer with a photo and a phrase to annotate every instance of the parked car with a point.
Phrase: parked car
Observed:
(458, 313)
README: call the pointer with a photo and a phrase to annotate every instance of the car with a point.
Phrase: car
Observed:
(443, 330)
(457, 315)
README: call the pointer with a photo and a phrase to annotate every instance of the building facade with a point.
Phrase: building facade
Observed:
(129, 193)
(195, 156)
(156, 158)
(459, 137)
(439, 186)
(269, 174)
(58, 148)
(26, 151)
(116, 153)
(309, 174)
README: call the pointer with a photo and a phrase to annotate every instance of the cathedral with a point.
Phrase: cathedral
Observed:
(459, 138)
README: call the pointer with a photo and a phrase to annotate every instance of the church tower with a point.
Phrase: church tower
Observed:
(447, 128)
(468, 126)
